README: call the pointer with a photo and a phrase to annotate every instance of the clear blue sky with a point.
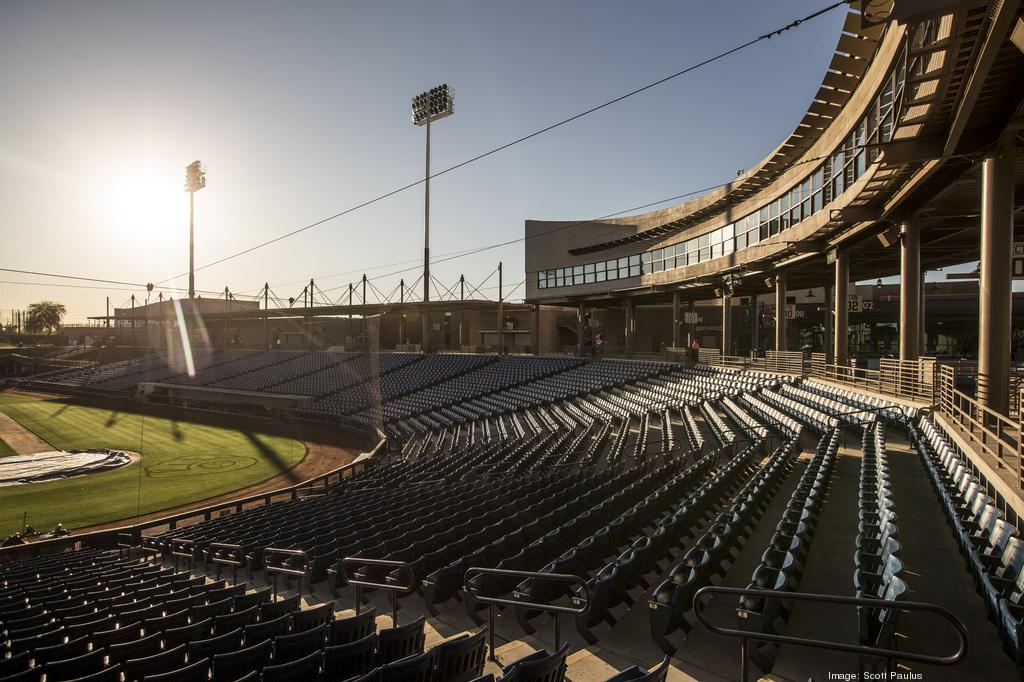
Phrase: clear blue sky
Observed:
(300, 110)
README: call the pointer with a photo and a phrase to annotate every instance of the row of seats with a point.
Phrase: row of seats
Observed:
(671, 602)
(990, 544)
(782, 562)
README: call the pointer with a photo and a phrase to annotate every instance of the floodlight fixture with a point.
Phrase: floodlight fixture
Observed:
(433, 104)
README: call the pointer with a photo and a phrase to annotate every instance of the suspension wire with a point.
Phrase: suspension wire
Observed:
(766, 36)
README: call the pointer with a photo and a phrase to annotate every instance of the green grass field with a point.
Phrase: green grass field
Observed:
(180, 463)
(5, 449)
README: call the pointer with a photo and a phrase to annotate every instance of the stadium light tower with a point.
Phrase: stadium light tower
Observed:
(427, 107)
(195, 180)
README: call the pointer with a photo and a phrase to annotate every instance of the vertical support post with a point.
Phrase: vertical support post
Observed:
(675, 319)
(829, 304)
(630, 324)
(910, 289)
(501, 314)
(266, 315)
(227, 315)
(994, 313)
(108, 317)
(579, 329)
(726, 321)
(842, 287)
(462, 310)
(781, 336)
(491, 622)
(426, 245)
(365, 343)
(535, 332)
(191, 246)
(755, 331)
(133, 320)
(691, 309)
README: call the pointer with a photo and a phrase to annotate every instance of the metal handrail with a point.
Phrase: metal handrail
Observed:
(556, 609)
(861, 650)
(178, 547)
(237, 551)
(270, 552)
(393, 589)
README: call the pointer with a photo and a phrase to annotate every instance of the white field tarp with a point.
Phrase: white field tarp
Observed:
(48, 466)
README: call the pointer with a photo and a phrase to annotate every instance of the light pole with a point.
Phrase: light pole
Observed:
(195, 180)
(427, 107)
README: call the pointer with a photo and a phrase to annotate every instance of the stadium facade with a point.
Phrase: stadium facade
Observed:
(907, 160)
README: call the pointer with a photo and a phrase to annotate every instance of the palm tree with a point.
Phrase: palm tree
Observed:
(44, 315)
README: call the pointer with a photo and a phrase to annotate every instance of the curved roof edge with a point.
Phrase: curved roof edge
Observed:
(853, 54)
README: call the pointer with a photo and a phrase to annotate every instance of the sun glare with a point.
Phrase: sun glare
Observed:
(142, 207)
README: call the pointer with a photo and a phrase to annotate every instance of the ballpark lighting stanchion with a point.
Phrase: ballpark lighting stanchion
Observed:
(195, 180)
(427, 107)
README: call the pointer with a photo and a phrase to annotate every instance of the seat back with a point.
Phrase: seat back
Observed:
(70, 668)
(461, 659)
(355, 628)
(199, 671)
(344, 661)
(399, 642)
(229, 667)
(208, 648)
(308, 619)
(298, 645)
(306, 669)
(263, 631)
(169, 659)
(415, 668)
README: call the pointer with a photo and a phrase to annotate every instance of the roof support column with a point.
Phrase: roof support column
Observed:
(994, 312)
(630, 324)
(910, 289)
(535, 332)
(754, 331)
(842, 308)
(675, 319)
(691, 333)
(580, 316)
(780, 312)
(726, 322)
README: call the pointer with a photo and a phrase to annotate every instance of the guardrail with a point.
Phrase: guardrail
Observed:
(891, 655)
(107, 539)
(299, 557)
(393, 589)
(996, 435)
(582, 605)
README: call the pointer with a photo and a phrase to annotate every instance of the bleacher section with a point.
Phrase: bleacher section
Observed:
(645, 481)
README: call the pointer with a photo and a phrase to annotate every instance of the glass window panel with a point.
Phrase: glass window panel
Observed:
(601, 275)
(634, 260)
(763, 216)
(588, 278)
(705, 253)
(816, 180)
(634, 270)
(645, 257)
(816, 202)
(728, 231)
(741, 241)
(589, 268)
(623, 262)
(600, 266)
(657, 266)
